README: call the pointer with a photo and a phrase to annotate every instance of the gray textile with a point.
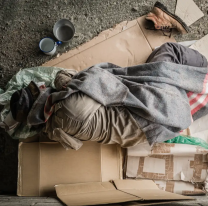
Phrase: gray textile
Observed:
(154, 93)
(173, 52)
(176, 53)
(36, 114)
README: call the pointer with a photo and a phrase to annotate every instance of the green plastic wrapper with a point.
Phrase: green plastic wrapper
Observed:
(45, 75)
(188, 140)
(24, 77)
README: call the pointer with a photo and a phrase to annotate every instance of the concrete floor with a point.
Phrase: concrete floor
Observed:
(50, 201)
(24, 23)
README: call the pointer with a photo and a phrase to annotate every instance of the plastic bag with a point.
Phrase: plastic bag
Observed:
(188, 140)
(24, 77)
(18, 81)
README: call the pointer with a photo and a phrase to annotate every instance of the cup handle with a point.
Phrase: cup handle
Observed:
(58, 43)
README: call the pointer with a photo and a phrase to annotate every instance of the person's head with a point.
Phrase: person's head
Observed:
(22, 100)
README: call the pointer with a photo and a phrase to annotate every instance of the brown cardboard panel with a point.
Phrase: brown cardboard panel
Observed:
(124, 49)
(107, 162)
(105, 192)
(121, 45)
(146, 189)
(58, 166)
(104, 197)
(135, 184)
(28, 170)
(100, 38)
(43, 165)
(91, 194)
(72, 189)
(152, 194)
(155, 38)
(127, 44)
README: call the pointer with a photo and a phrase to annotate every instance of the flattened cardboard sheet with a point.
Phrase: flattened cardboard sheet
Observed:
(43, 165)
(113, 192)
(128, 44)
(188, 11)
(146, 190)
(91, 194)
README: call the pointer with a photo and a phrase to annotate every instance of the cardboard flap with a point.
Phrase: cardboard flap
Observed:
(81, 188)
(30, 161)
(91, 194)
(146, 190)
(106, 192)
(135, 184)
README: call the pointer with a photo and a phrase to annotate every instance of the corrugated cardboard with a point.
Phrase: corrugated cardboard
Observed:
(43, 165)
(113, 192)
(128, 44)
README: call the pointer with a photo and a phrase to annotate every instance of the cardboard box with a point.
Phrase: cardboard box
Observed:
(43, 165)
(114, 192)
(166, 161)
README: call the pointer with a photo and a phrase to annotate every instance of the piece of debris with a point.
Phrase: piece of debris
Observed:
(136, 8)
(188, 11)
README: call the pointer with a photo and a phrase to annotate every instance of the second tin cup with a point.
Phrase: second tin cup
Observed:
(63, 30)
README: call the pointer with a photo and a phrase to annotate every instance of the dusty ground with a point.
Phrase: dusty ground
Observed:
(50, 201)
(24, 22)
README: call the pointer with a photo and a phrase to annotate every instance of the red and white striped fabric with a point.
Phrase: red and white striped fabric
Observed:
(197, 101)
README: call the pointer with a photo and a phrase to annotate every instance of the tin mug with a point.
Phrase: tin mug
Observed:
(64, 30)
(48, 45)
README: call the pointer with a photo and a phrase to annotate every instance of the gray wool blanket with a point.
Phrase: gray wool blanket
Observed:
(154, 93)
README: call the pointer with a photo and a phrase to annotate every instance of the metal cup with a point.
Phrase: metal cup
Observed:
(48, 45)
(64, 30)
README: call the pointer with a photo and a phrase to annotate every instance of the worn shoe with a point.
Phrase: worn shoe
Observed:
(165, 20)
